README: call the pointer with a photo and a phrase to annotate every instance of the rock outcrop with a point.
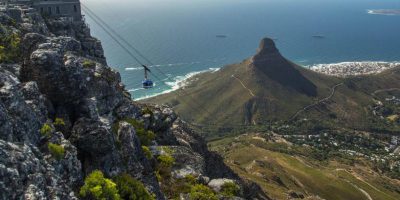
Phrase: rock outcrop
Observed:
(269, 61)
(63, 93)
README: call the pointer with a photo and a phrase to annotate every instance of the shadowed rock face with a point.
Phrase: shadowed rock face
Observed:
(269, 61)
(53, 82)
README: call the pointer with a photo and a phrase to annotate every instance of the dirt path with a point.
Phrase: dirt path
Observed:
(355, 175)
(333, 90)
(361, 190)
(244, 86)
(366, 194)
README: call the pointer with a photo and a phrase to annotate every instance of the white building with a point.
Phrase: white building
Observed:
(53, 8)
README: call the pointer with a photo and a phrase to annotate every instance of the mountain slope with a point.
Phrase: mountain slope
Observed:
(267, 87)
(284, 172)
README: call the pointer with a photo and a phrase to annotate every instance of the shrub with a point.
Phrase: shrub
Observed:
(201, 192)
(10, 47)
(147, 111)
(166, 149)
(165, 161)
(147, 152)
(164, 164)
(172, 188)
(59, 122)
(115, 127)
(190, 179)
(145, 136)
(131, 189)
(57, 151)
(98, 187)
(88, 64)
(230, 189)
(158, 176)
(46, 130)
(135, 123)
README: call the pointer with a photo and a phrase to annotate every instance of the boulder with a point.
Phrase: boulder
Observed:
(25, 174)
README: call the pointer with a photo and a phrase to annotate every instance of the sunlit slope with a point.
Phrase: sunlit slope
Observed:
(267, 87)
(281, 174)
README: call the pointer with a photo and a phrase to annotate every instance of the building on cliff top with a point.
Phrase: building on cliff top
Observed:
(52, 8)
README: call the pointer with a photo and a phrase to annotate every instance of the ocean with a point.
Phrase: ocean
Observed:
(179, 36)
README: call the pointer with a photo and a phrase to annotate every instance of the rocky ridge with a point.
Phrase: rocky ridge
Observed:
(62, 92)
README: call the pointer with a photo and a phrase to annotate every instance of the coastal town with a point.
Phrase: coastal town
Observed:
(346, 69)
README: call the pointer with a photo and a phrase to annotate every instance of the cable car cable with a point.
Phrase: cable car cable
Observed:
(104, 27)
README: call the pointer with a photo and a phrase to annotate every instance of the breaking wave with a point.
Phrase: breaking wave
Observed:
(177, 83)
(389, 12)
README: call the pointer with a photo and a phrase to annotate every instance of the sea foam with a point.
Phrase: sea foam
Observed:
(178, 82)
(389, 12)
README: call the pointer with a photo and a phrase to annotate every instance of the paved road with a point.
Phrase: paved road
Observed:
(333, 90)
(384, 90)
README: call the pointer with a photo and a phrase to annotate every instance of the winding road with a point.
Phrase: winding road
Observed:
(333, 90)
(384, 90)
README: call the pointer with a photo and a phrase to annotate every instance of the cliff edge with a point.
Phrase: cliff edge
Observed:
(64, 114)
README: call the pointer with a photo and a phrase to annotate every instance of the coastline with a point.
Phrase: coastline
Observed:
(178, 83)
(340, 69)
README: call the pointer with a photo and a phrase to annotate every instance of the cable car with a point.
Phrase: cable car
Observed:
(147, 83)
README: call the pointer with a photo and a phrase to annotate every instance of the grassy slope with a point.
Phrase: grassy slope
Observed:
(269, 88)
(225, 99)
(218, 98)
(277, 173)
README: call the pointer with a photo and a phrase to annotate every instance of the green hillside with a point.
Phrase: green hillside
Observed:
(268, 88)
(285, 170)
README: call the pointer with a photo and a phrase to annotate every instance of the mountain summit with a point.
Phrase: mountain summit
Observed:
(270, 61)
(266, 49)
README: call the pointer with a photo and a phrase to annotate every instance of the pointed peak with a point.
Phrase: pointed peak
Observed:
(267, 51)
(267, 47)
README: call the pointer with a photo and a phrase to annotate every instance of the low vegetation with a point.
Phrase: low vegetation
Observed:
(312, 164)
(146, 137)
(163, 167)
(57, 151)
(147, 111)
(131, 189)
(172, 188)
(165, 161)
(122, 186)
(10, 45)
(88, 64)
(202, 192)
(97, 187)
(59, 122)
(230, 189)
(147, 152)
(46, 130)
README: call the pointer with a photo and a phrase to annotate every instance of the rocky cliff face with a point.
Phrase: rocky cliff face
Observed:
(62, 92)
